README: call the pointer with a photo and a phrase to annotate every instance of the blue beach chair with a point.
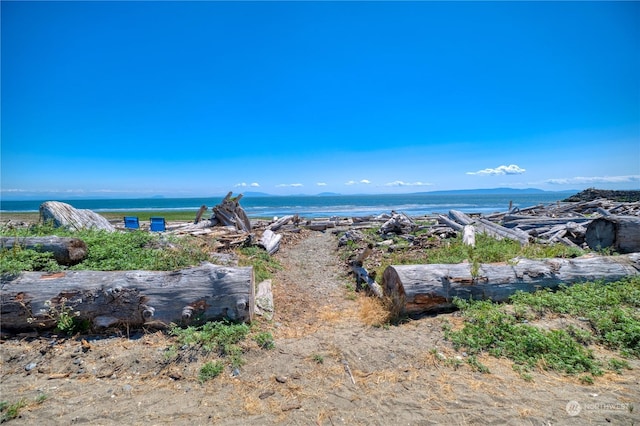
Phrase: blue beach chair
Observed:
(158, 224)
(131, 222)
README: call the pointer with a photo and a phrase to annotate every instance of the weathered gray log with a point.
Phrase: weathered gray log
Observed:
(362, 275)
(532, 223)
(66, 251)
(460, 217)
(487, 227)
(203, 208)
(450, 223)
(319, 225)
(622, 233)
(399, 223)
(34, 300)
(498, 231)
(469, 235)
(264, 300)
(280, 222)
(419, 289)
(270, 241)
(65, 215)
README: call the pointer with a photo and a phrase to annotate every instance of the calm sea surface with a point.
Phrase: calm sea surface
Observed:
(315, 206)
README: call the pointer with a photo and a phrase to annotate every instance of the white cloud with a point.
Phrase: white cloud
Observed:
(321, 184)
(286, 185)
(242, 184)
(255, 185)
(402, 183)
(594, 179)
(353, 182)
(511, 169)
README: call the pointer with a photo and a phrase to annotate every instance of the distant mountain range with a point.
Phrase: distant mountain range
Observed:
(483, 191)
(501, 191)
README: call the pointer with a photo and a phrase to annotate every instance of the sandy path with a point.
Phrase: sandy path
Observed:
(328, 368)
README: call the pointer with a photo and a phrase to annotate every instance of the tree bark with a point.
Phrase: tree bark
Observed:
(622, 233)
(419, 289)
(66, 251)
(128, 298)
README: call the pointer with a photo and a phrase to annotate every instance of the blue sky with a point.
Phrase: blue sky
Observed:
(201, 98)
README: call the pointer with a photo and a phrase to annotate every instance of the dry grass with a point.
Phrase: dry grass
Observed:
(374, 312)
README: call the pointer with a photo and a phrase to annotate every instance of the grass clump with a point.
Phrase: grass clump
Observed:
(223, 338)
(17, 259)
(489, 328)
(210, 370)
(265, 340)
(611, 309)
(11, 411)
(212, 336)
(264, 266)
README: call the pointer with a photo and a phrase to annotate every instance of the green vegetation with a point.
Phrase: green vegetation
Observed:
(263, 265)
(506, 330)
(222, 338)
(212, 336)
(145, 215)
(67, 320)
(453, 250)
(11, 411)
(210, 370)
(107, 251)
(611, 310)
(265, 340)
(17, 259)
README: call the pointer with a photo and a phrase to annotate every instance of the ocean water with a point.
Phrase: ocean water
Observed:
(316, 206)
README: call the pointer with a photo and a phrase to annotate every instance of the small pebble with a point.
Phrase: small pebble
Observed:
(236, 372)
(30, 366)
(127, 388)
(281, 379)
(266, 394)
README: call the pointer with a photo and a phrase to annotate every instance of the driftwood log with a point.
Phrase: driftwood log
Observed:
(229, 213)
(203, 208)
(67, 216)
(270, 241)
(622, 233)
(419, 289)
(362, 275)
(34, 300)
(66, 251)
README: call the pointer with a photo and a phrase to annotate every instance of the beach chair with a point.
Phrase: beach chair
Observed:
(158, 224)
(131, 222)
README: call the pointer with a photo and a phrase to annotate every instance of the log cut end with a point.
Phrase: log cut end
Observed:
(622, 233)
(407, 303)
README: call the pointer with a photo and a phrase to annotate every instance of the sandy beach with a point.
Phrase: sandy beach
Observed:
(328, 367)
